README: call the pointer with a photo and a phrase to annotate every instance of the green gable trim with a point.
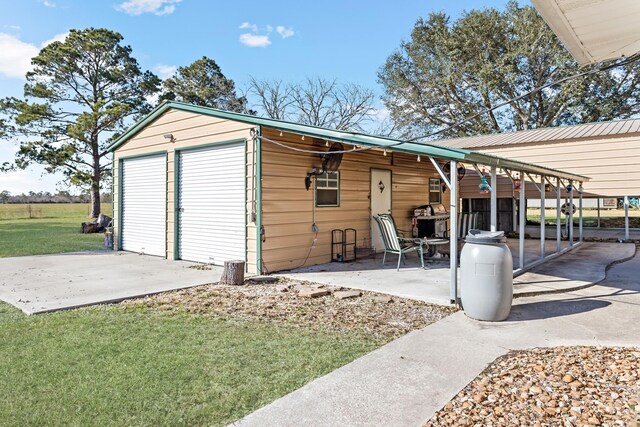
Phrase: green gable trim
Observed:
(354, 138)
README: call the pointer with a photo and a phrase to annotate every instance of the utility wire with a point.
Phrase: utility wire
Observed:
(414, 140)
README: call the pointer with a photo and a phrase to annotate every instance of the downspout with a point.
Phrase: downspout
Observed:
(258, 189)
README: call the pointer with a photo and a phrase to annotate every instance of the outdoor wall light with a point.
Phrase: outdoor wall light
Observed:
(169, 136)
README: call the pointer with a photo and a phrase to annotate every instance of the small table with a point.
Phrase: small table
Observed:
(435, 242)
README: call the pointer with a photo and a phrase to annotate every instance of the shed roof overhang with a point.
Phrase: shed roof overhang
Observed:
(353, 138)
(594, 31)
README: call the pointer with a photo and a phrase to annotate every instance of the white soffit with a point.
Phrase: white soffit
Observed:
(594, 30)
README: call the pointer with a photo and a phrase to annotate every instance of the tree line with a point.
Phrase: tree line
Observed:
(47, 197)
(84, 92)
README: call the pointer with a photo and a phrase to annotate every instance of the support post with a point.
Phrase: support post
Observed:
(571, 213)
(626, 217)
(453, 235)
(522, 211)
(580, 208)
(558, 216)
(494, 199)
(542, 216)
(598, 211)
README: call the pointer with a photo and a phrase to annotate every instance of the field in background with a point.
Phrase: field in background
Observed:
(47, 228)
(608, 217)
(50, 210)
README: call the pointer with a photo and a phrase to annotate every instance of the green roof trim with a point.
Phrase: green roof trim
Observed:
(356, 138)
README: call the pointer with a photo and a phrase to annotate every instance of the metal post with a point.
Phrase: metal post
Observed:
(626, 217)
(542, 216)
(558, 218)
(494, 199)
(453, 235)
(515, 214)
(580, 207)
(571, 214)
(598, 212)
(522, 211)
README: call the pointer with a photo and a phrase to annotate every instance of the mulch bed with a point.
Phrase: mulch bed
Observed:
(281, 302)
(563, 386)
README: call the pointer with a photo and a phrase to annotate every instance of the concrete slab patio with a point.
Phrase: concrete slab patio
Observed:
(38, 284)
(566, 272)
(405, 382)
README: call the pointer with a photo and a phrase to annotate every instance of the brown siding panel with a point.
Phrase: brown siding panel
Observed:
(287, 206)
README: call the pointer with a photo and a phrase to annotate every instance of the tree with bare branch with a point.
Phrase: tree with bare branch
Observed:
(316, 101)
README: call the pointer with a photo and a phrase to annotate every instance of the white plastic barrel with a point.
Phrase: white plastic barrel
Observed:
(486, 276)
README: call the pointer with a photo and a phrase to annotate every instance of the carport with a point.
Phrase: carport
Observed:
(520, 174)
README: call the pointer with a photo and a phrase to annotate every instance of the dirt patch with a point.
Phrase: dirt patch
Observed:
(284, 302)
(564, 386)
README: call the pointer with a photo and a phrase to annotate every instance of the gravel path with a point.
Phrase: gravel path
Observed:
(282, 302)
(563, 386)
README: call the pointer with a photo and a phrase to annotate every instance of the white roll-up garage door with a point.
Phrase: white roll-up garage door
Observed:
(211, 204)
(144, 209)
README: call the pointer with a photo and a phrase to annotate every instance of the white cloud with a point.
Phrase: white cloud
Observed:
(15, 56)
(254, 40)
(23, 181)
(165, 71)
(139, 7)
(269, 28)
(249, 26)
(48, 3)
(13, 27)
(285, 32)
(57, 38)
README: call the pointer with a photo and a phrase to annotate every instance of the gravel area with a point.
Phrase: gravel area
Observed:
(563, 386)
(300, 304)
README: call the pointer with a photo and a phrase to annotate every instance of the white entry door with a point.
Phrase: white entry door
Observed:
(144, 205)
(211, 204)
(380, 203)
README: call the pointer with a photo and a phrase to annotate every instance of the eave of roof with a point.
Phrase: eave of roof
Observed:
(594, 31)
(355, 138)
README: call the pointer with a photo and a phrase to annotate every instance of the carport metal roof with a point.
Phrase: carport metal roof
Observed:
(353, 138)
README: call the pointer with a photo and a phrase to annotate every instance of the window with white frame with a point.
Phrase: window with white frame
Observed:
(328, 189)
(435, 190)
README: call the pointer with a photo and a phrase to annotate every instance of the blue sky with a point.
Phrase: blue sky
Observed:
(288, 40)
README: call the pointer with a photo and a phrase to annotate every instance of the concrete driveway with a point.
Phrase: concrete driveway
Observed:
(38, 284)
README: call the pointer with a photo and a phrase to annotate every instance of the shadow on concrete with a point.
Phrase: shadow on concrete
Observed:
(556, 308)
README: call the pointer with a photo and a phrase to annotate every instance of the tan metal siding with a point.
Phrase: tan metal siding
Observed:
(287, 205)
(612, 163)
(189, 130)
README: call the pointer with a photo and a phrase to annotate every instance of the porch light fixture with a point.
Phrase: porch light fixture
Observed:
(385, 153)
(169, 136)
(418, 159)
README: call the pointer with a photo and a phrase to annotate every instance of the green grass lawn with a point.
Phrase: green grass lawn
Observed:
(114, 366)
(19, 237)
